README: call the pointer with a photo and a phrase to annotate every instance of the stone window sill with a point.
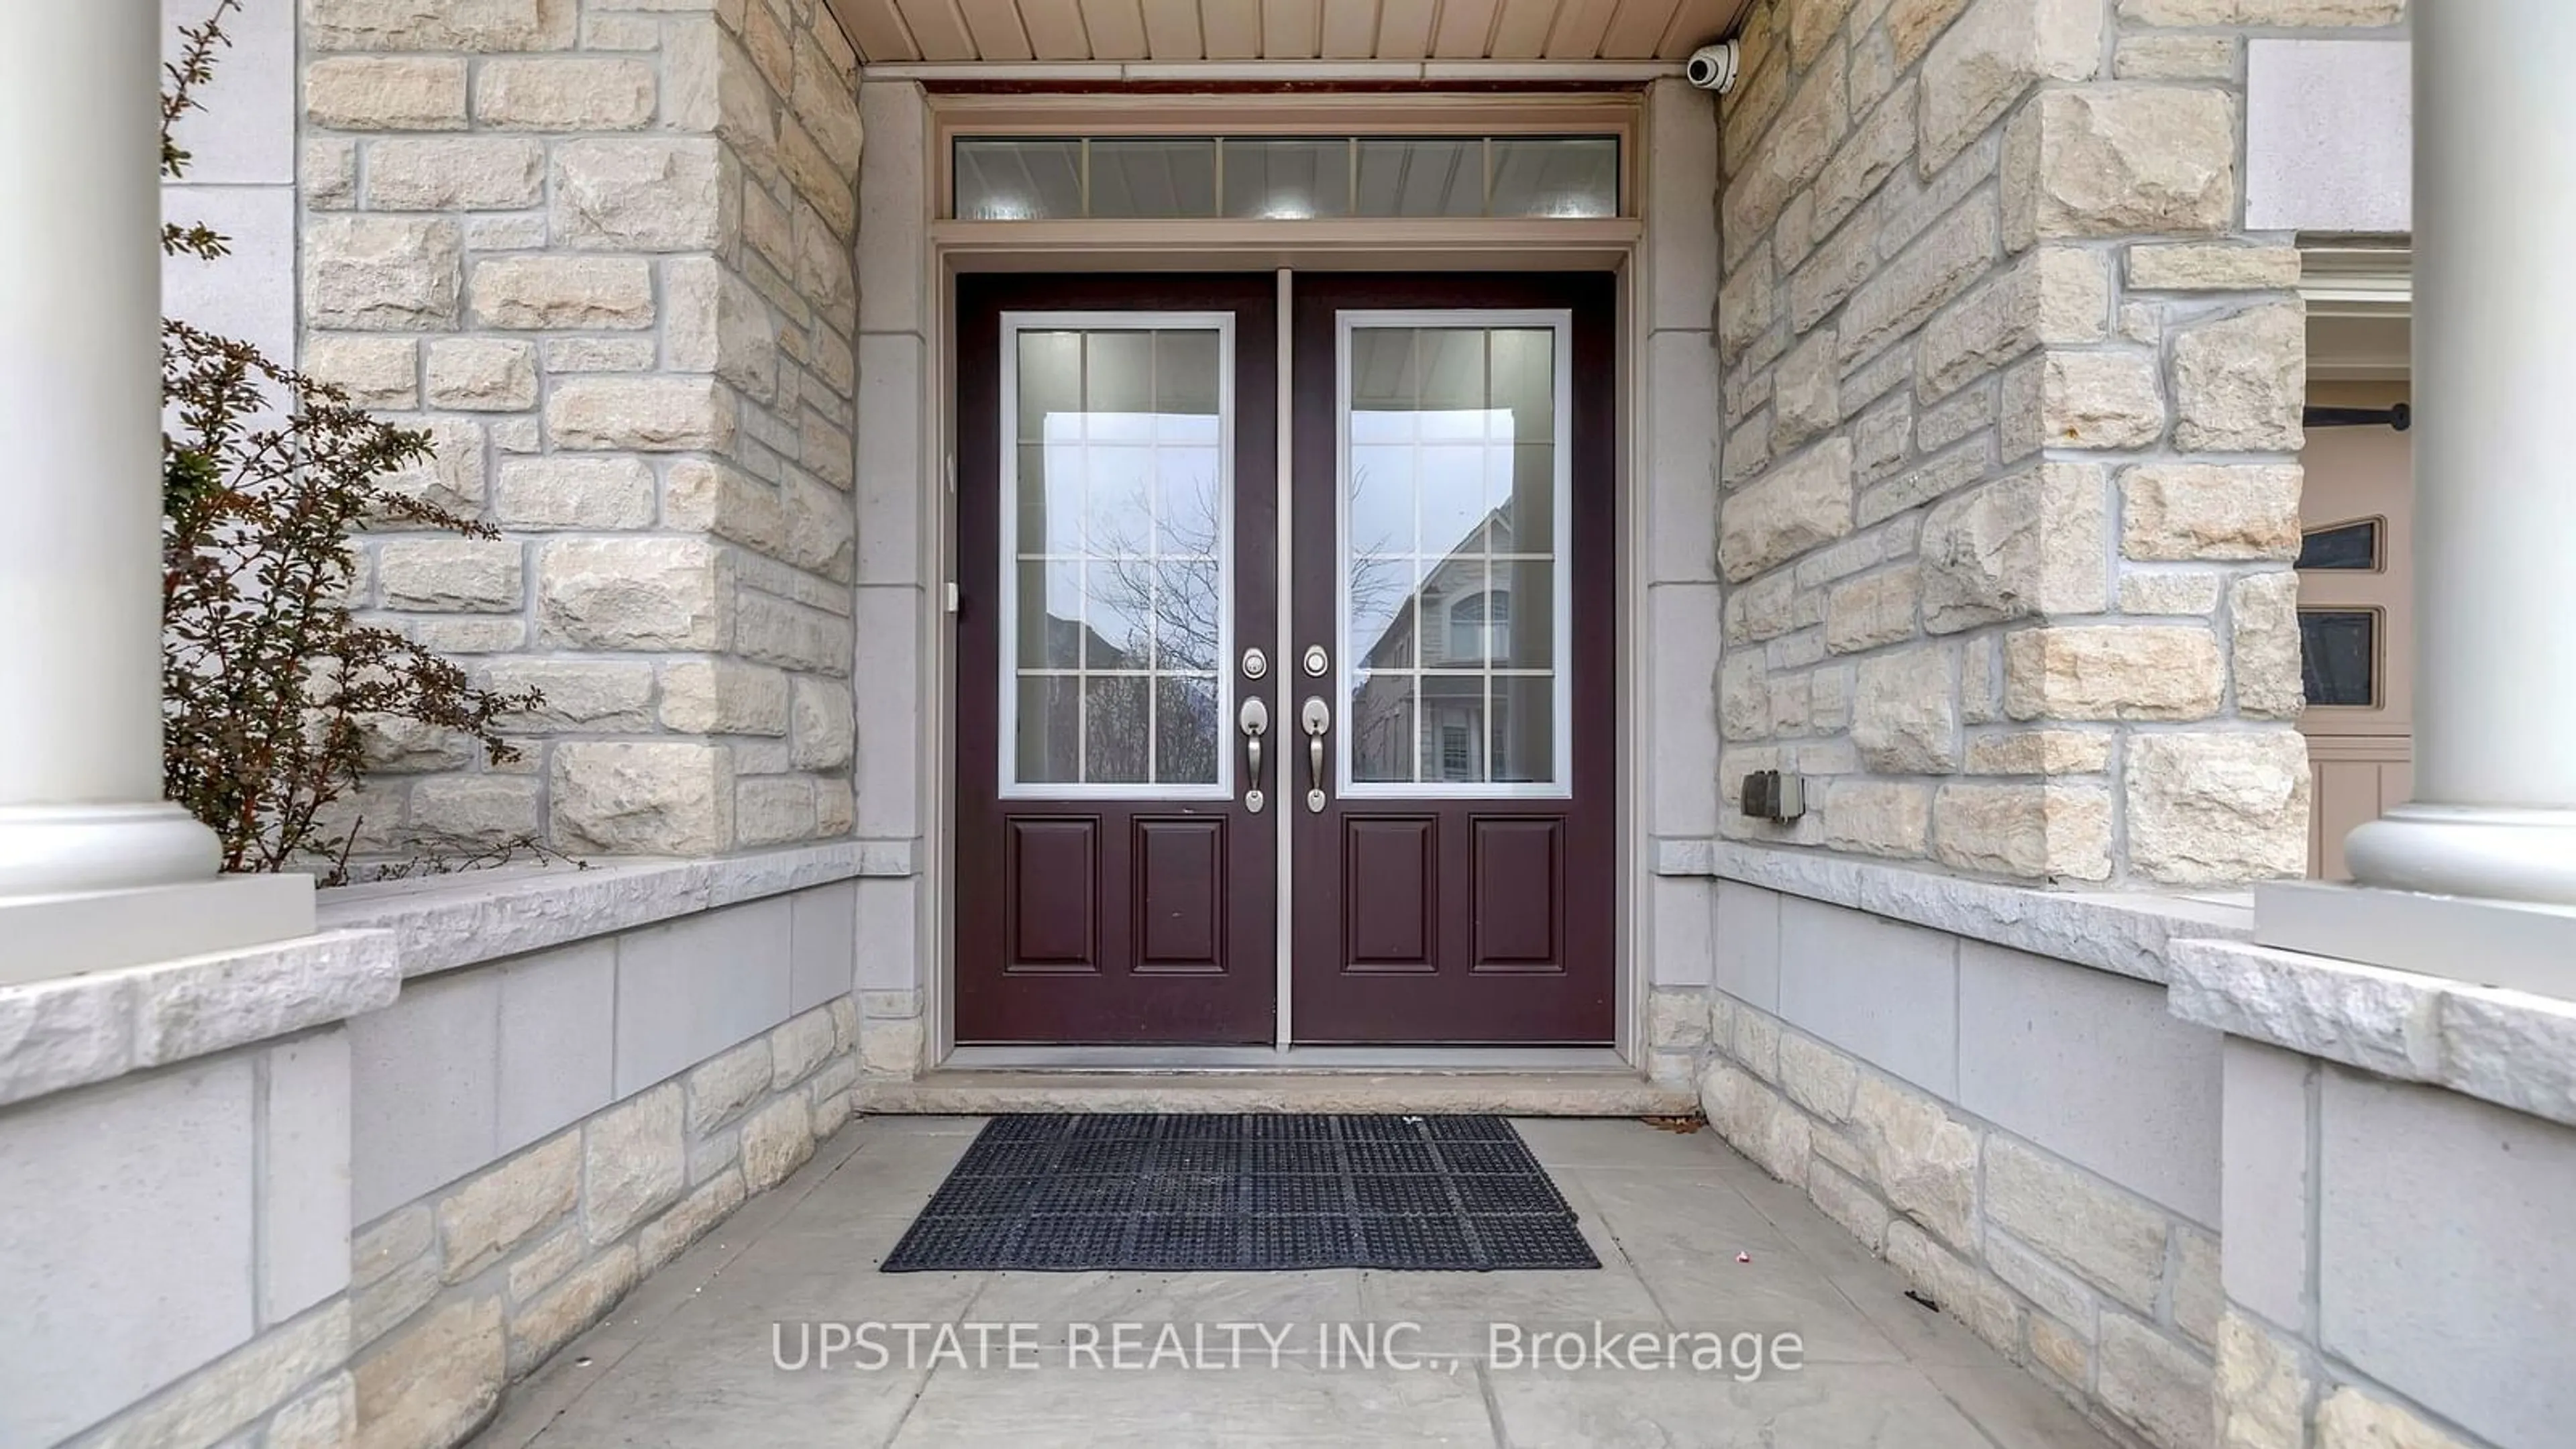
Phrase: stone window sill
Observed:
(2127, 933)
(2508, 1047)
(442, 923)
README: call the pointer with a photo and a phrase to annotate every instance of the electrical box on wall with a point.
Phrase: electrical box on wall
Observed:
(1771, 795)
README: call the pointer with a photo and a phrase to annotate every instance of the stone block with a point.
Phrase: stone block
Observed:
(482, 374)
(382, 273)
(2057, 1294)
(436, 1382)
(1747, 959)
(640, 195)
(2351, 1418)
(724, 1086)
(1872, 610)
(2198, 1297)
(1757, 1121)
(642, 414)
(1876, 817)
(2263, 610)
(672, 798)
(481, 1221)
(2263, 12)
(1975, 1298)
(2032, 543)
(1788, 157)
(1988, 61)
(776, 1140)
(424, 1073)
(2153, 1384)
(821, 525)
(557, 1015)
(574, 493)
(388, 1244)
(1912, 26)
(1799, 504)
(2218, 808)
(1806, 392)
(2106, 1237)
(2130, 160)
(2260, 1386)
(304, 1245)
(1746, 305)
(1883, 991)
(706, 496)
(1921, 1160)
(2100, 672)
(821, 739)
(455, 173)
(710, 1203)
(474, 811)
(2057, 1349)
(565, 94)
(694, 987)
(2210, 511)
(891, 1049)
(324, 1418)
(635, 593)
(1842, 1198)
(774, 809)
(2091, 1067)
(375, 372)
(2091, 400)
(2419, 1186)
(235, 1390)
(535, 293)
(386, 93)
(798, 1047)
(2211, 267)
(2263, 1232)
(599, 696)
(2043, 831)
(2193, 594)
(818, 179)
(2240, 382)
(717, 323)
(1905, 713)
(2040, 752)
(1906, 290)
(724, 697)
(634, 1161)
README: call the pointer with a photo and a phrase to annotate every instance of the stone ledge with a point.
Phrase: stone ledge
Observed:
(72, 1031)
(1529, 1094)
(444, 922)
(2508, 1047)
(2127, 933)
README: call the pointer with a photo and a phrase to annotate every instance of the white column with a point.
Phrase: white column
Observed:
(80, 554)
(2495, 461)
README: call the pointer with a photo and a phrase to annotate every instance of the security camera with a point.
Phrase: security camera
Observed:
(1713, 67)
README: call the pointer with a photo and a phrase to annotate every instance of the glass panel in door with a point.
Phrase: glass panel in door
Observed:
(1455, 496)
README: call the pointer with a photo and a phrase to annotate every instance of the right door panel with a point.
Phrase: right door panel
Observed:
(1453, 515)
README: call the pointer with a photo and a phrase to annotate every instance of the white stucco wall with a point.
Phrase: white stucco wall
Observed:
(2330, 135)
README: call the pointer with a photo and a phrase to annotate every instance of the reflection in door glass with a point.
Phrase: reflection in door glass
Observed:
(1116, 556)
(1450, 575)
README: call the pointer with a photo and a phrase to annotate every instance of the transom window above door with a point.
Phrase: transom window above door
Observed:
(1283, 178)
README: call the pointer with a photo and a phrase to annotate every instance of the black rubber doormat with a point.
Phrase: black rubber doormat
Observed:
(1065, 1192)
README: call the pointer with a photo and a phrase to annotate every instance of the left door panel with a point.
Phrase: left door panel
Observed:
(1117, 511)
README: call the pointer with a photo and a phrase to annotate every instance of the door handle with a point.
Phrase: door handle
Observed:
(1255, 720)
(1317, 717)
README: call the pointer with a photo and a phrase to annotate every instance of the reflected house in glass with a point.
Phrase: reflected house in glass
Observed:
(1457, 624)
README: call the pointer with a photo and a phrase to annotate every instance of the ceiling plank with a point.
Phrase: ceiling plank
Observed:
(1172, 30)
(1636, 28)
(1350, 29)
(1697, 23)
(1580, 25)
(1055, 29)
(1466, 28)
(937, 29)
(1116, 29)
(1232, 28)
(1404, 29)
(995, 24)
(1289, 29)
(876, 30)
(1521, 33)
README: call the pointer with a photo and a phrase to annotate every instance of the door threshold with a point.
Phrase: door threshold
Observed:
(1161, 1059)
(1578, 1091)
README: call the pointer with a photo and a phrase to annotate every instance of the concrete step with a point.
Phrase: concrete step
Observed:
(1580, 1093)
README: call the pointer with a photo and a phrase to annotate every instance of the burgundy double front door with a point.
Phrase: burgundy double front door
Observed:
(1355, 730)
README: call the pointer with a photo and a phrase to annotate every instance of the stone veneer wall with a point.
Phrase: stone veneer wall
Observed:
(602, 250)
(2010, 491)
(454, 1297)
(2033, 1143)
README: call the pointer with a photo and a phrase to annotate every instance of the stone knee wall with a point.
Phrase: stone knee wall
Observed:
(2032, 1143)
(176, 1241)
(457, 1295)
(602, 251)
(2397, 1270)
(2010, 491)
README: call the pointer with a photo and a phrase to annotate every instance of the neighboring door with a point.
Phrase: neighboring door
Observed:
(1452, 575)
(2356, 620)
(1138, 739)
(1117, 484)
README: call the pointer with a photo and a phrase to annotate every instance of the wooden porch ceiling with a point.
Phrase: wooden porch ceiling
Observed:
(1007, 31)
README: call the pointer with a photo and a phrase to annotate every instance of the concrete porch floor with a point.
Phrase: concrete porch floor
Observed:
(687, 1360)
